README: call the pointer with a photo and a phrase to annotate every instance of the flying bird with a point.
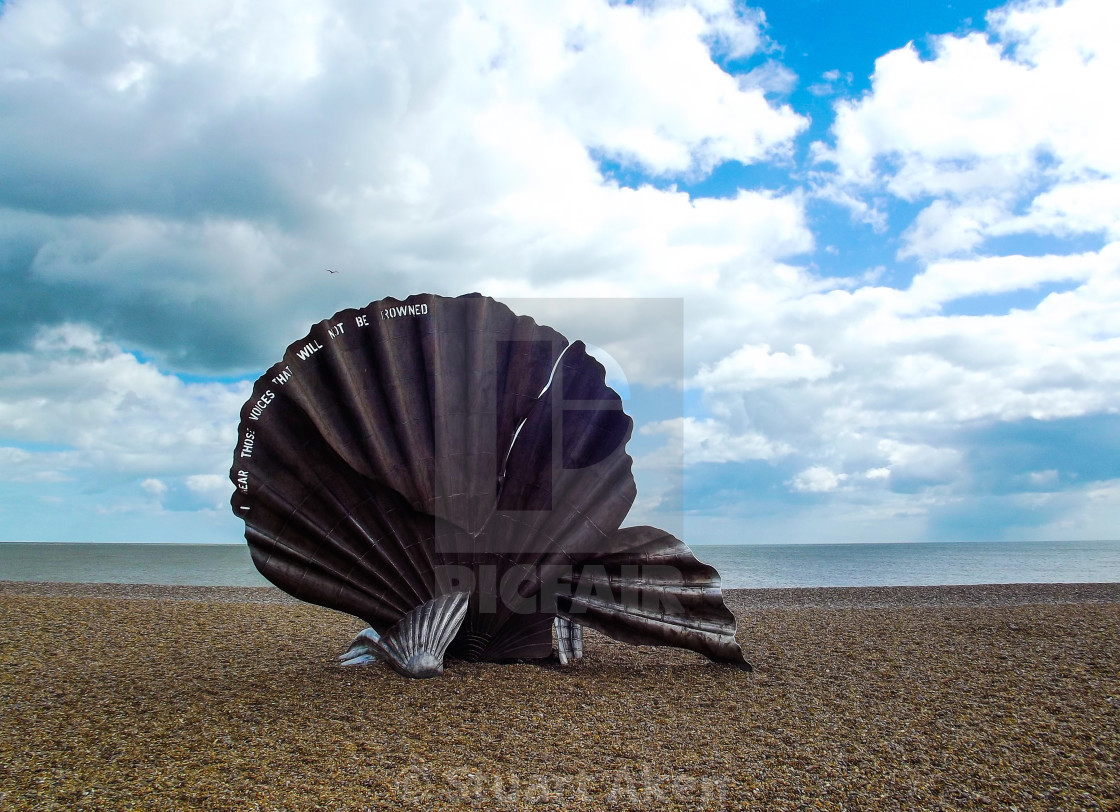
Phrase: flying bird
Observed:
(330, 271)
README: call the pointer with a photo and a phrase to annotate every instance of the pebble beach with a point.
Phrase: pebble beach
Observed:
(158, 697)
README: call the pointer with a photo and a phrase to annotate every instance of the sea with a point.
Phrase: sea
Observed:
(740, 566)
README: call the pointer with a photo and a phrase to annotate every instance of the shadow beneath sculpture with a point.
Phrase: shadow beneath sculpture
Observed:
(456, 476)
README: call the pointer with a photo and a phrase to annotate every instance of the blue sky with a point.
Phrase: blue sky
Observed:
(891, 229)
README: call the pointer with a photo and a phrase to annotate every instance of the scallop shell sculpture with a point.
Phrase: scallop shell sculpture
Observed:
(456, 476)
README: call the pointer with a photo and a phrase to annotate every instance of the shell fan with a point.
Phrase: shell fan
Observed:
(456, 476)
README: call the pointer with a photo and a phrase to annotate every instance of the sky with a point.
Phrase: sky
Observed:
(885, 238)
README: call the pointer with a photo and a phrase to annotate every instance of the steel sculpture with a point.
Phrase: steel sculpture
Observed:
(456, 476)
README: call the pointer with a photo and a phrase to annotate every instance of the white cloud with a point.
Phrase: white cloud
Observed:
(831, 82)
(712, 441)
(178, 177)
(183, 174)
(213, 489)
(996, 137)
(769, 77)
(1043, 479)
(1072, 208)
(919, 461)
(1091, 514)
(100, 409)
(899, 378)
(754, 365)
(947, 280)
(638, 83)
(817, 479)
(446, 147)
(944, 229)
(155, 487)
(990, 126)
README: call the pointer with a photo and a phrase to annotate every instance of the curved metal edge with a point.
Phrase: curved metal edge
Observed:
(416, 645)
